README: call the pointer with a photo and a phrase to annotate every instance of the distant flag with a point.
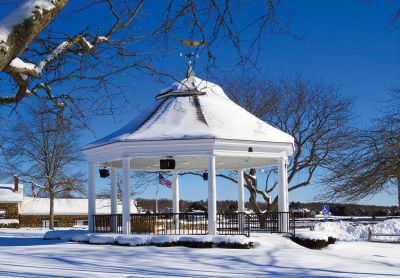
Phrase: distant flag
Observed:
(164, 181)
(34, 193)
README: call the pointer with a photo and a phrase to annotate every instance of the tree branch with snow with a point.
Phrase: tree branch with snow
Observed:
(32, 53)
(22, 26)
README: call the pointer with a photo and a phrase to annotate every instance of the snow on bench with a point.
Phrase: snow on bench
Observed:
(370, 235)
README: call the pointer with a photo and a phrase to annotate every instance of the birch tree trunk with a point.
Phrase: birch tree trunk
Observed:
(398, 190)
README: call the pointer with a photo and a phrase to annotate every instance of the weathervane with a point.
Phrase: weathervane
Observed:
(190, 56)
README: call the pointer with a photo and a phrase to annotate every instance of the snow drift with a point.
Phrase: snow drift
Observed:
(348, 231)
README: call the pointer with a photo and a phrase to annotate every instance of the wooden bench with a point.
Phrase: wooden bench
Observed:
(370, 235)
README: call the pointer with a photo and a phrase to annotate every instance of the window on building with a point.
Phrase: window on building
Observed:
(46, 223)
(2, 213)
(81, 223)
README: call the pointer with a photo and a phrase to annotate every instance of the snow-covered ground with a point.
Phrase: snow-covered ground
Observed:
(23, 253)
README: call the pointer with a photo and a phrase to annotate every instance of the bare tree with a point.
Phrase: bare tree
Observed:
(37, 55)
(48, 156)
(250, 184)
(311, 111)
(371, 163)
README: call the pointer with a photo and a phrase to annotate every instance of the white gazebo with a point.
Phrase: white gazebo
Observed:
(195, 124)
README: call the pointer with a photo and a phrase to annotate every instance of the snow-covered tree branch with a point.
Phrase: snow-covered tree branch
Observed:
(21, 27)
(40, 14)
(38, 55)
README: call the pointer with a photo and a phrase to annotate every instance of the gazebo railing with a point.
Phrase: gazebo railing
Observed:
(273, 222)
(107, 223)
(233, 224)
(173, 223)
(169, 223)
(197, 223)
(155, 223)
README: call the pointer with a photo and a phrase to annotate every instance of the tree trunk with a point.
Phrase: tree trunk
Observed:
(274, 205)
(398, 190)
(253, 202)
(51, 224)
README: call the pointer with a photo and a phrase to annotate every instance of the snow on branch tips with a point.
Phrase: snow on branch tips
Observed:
(23, 25)
(20, 70)
(20, 28)
(35, 71)
(29, 9)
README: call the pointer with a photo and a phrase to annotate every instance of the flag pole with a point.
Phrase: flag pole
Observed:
(157, 198)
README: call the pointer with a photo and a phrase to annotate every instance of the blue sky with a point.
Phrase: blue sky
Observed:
(346, 43)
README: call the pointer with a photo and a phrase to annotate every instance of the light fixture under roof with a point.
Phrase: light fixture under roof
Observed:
(104, 173)
(167, 164)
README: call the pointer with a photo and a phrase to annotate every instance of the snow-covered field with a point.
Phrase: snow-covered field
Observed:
(23, 253)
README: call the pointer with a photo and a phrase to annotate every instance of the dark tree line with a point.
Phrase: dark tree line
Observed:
(229, 206)
(345, 209)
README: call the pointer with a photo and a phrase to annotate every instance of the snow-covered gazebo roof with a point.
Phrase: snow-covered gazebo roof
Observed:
(190, 118)
(195, 109)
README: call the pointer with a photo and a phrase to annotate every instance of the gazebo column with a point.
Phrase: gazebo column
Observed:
(126, 198)
(283, 202)
(114, 200)
(175, 199)
(212, 197)
(91, 196)
(241, 218)
(240, 190)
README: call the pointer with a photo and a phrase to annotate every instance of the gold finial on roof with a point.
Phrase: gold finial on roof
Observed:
(191, 56)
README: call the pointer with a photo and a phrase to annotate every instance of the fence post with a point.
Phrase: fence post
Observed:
(94, 227)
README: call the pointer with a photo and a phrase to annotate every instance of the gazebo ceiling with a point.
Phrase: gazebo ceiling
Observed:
(195, 163)
(195, 109)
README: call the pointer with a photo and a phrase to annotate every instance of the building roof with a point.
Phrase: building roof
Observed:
(195, 109)
(8, 195)
(41, 206)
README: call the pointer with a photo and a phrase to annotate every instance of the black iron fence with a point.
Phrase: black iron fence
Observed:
(273, 222)
(108, 223)
(169, 223)
(155, 223)
(233, 224)
(197, 223)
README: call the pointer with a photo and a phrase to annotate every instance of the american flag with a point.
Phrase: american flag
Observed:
(34, 193)
(164, 181)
